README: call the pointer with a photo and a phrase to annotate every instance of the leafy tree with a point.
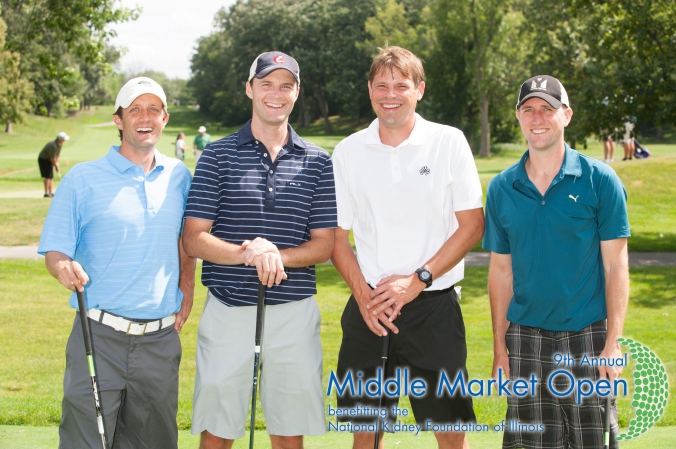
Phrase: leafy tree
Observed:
(55, 37)
(485, 33)
(615, 58)
(15, 91)
(320, 34)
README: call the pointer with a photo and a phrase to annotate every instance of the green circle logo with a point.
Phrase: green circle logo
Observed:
(651, 389)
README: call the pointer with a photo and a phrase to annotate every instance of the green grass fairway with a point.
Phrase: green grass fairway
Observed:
(31, 437)
(38, 321)
(649, 183)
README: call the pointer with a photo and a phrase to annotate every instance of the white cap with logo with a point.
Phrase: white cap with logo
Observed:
(136, 87)
(62, 136)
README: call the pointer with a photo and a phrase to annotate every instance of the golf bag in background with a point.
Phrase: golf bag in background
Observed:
(640, 152)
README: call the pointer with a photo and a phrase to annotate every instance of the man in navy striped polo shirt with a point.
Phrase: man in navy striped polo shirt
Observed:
(261, 208)
(113, 232)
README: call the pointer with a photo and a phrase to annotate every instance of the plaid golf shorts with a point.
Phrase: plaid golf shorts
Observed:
(567, 424)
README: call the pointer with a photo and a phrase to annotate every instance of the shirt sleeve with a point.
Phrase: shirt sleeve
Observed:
(203, 197)
(61, 231)
(495, 235)
(612, 216)
(343, 199)
(467, 192)
(323, 209)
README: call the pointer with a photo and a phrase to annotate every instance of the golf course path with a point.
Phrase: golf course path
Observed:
(473, 259)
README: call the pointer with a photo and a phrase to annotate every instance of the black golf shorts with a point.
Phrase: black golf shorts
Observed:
(431, 340)
(46, 168)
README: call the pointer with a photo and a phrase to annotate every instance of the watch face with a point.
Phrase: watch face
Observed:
(425, 276)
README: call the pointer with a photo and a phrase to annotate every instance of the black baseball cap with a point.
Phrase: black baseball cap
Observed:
(546, 87)
(271, 61)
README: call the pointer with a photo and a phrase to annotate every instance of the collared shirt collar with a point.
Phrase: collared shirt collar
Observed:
(571, 165)
(123, 164)
(244, 136)
(419, 135)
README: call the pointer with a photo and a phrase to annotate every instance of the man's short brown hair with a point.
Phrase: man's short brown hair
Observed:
(391, 58)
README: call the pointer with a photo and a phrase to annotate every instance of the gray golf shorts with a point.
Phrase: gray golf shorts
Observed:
(291, 389)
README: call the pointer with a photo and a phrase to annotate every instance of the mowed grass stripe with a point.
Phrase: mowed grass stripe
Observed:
(38, 320)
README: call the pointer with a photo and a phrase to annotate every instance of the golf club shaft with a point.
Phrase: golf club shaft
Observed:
(383, 356)
(606, 425)
(260, 316)
(90, 363)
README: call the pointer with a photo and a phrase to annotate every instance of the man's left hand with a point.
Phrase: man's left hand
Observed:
(613, 350)
(394, 291)
(256, 248)
(186, 306)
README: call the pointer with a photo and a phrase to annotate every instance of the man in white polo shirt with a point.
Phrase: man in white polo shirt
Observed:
(409, 190)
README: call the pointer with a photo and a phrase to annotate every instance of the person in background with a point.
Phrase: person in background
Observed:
(628, 141)
(48, 161)
(180, 146)
(202, 139)
(608, 146)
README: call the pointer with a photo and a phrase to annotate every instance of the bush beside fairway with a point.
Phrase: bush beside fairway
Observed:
(39, 320)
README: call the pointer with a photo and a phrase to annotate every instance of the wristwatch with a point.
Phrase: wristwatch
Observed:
(425, 276)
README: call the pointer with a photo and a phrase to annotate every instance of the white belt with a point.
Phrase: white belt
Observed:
(130, 327)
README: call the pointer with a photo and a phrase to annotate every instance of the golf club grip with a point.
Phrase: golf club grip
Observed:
(260, 310)
(84, 319)
(386, 347)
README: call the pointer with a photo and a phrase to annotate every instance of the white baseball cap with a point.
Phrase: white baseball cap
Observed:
(201, 129)
(136, 87)
(62, 136)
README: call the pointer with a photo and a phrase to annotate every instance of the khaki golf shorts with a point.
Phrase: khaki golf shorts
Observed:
(291, 389)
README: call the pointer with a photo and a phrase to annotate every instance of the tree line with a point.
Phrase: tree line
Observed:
(55, 57)
(617, 59)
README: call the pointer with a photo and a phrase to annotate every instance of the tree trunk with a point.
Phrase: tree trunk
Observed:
(303, 115)
(8, 128)
(660, 133)
(323, 108)
(485, 148)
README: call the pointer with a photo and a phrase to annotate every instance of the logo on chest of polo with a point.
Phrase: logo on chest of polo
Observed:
(574, 198)
(424, 170)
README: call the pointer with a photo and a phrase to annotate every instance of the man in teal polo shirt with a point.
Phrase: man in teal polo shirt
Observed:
(113, 231)
(557, 228)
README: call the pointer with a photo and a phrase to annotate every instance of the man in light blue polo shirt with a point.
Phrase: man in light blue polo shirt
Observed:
(113, 231)
(557, 226)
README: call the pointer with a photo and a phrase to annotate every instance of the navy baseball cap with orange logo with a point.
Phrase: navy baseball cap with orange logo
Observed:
(272, 60)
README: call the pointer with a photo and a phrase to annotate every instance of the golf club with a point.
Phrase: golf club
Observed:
(59, 173)
(90, 363)
(606, 425)
(383, 356)
(260, 317)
